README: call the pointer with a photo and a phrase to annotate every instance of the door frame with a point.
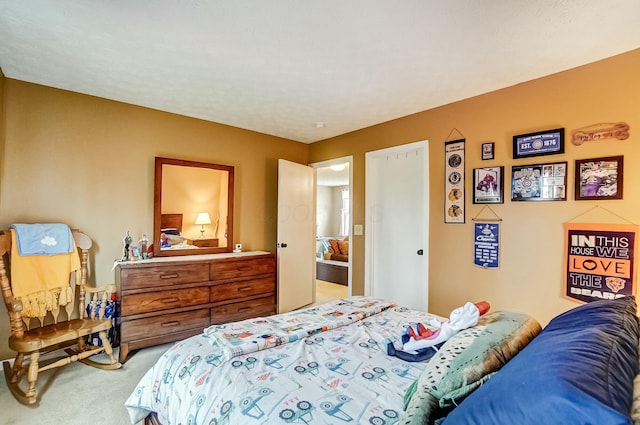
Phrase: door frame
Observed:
(328, 163)
(369, 196)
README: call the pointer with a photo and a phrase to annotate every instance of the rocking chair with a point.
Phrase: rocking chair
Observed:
(32, 342)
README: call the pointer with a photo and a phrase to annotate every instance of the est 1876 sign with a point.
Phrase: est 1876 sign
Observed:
(599, 261)
(548, 142)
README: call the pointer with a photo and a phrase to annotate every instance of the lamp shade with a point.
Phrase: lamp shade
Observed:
(203, 218)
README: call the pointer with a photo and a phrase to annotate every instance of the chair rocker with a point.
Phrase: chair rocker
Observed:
(66, 335)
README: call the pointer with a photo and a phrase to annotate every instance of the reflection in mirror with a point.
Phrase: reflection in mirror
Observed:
(193, 207)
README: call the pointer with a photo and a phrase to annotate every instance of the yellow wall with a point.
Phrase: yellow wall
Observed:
(89, 162)
(530, 275)
(2, 125)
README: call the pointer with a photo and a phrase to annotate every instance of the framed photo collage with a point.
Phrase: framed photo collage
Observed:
(594, 179)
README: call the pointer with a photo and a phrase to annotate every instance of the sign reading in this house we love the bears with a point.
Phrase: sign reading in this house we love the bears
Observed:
(599, 261)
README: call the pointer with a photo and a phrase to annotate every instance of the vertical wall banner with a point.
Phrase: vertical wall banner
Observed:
(600, 261)
(486, 244)
(454, 181)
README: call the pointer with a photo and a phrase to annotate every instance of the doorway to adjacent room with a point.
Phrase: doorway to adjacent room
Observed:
(333, 228)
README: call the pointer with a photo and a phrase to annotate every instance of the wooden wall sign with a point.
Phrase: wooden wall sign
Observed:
(603, 131)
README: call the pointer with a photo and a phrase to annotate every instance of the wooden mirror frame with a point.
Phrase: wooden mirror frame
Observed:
(157, 208)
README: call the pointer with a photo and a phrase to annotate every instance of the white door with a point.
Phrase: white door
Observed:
(396, 225)
(296, 235)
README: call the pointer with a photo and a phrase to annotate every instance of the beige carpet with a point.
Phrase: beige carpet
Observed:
(80, 394)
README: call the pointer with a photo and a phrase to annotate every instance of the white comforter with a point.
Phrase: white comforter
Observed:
(341, 375)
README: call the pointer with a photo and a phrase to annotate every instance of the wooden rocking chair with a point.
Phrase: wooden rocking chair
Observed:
(62, 335)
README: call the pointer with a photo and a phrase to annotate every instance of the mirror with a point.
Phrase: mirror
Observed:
(193, 208)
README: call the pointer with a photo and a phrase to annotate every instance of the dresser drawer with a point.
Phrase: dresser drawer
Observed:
(164, 324)
(236, 269)
(162, 300)
(165, 275)
(246, 288)
(243, 310)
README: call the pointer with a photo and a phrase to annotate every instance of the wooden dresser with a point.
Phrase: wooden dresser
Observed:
(171, 298)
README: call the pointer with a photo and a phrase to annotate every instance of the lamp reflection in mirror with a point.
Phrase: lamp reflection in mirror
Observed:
(203, 218)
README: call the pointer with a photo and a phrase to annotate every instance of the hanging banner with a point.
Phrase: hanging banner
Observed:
(600, 261)
(486, 244)
(454, 181)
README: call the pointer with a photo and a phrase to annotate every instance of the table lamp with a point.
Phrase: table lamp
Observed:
(202, 219)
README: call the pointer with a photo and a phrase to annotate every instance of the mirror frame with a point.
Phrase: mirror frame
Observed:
(157, 207)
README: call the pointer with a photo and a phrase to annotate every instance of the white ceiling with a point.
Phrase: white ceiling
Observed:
(281, 66)
(327, 176)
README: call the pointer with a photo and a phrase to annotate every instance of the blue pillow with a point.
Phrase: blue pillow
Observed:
(578, 370)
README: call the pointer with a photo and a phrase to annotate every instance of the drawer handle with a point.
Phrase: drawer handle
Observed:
(244, 268)
(170, 300)
(169, 275)
(244, 288)
(240, 310)
(167, 324)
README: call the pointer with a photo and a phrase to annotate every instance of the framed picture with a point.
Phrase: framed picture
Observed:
(539, 182)
(487, 150)
(548, 142)
(488, 185)
(599, 178)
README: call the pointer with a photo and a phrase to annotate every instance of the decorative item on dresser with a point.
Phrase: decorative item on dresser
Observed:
(172, 298)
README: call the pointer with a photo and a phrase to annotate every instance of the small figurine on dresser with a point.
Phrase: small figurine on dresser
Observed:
(144, 243)
(127, 246)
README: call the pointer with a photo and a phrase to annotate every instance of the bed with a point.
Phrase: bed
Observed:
(171, 236)
(325, 364)
(332, 271)
(332, 260)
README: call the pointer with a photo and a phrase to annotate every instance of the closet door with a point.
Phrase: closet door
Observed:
(397, 225)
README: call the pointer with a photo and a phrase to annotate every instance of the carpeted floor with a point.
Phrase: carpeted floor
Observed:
(79, 394)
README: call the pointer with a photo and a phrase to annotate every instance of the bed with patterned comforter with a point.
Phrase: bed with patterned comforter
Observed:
(321, 365)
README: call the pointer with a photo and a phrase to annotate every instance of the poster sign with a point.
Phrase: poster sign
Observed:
(600, 261)
(548, 142)
(454, 181)
(486, 244)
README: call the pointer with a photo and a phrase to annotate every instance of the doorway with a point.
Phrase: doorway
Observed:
(397, 224)
(333, 229)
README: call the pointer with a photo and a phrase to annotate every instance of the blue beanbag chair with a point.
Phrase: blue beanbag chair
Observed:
(578, 370)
